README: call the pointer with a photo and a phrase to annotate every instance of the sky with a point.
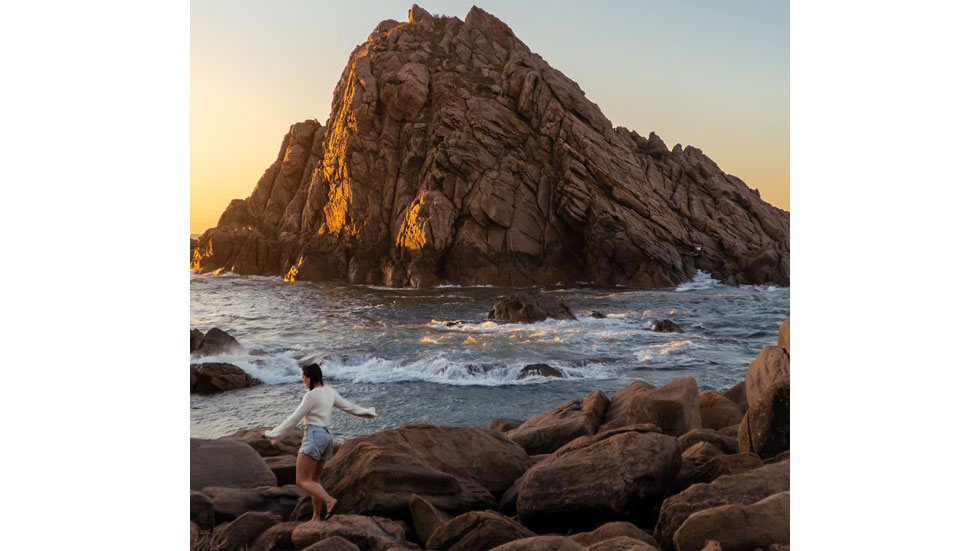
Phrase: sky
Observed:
(712, 74)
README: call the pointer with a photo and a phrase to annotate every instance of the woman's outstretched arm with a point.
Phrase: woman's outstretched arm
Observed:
(304, 407)
(353, 409)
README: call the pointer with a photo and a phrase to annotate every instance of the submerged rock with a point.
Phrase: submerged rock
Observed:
(454, 154)
(666, 326)
(214, 342)
(529, 307)
(543, 370)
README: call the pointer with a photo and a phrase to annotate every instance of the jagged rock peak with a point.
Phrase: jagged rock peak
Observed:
(454, 154)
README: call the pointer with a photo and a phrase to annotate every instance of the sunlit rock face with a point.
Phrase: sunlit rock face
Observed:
(454, 154)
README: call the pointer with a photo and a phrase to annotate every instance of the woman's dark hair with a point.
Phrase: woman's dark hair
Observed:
(313, 372)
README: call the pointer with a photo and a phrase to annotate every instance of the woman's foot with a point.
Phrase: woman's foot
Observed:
(330, 507)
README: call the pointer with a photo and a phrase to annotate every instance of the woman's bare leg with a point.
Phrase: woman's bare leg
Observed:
(305, 468)
(318, 476)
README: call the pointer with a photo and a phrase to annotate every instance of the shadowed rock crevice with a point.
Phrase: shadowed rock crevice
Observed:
(454, 154)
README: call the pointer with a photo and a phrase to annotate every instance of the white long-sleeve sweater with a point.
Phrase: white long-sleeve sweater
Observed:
(316, 408)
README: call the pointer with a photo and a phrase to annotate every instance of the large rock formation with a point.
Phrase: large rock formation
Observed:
(455, 154)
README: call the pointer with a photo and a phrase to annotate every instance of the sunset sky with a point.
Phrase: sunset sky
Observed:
(710, 74)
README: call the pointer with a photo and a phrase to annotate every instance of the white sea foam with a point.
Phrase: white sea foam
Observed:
(657, 352)
(700, 280)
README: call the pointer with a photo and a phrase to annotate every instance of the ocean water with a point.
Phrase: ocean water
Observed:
(430, 355)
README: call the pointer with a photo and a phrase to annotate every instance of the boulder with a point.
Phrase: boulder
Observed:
(612, 530)
(673, 407)
(616, 475)
(367, 533)
(196, 537)
(504, 425)
(737, 527)
(333, 543)
(202, 510)
(239, 533)
(718, 412)
(726, 444)
(461, 156)
(372, 479)
(738, 489)
(485, 457)
(284, 467)
(771, 364)
(287, 444)
(542, 543)
(476, 531)
(666, 326)
(737, 394)
(784, 456)
(700, 453)
(783, 340)
(623, 543)
(541, 370)
(426, 518)
(551, 430)
(766, 424)
(197, 339)
(230, 503)
(597, 315)
(276, 538)
(730, 431)
(529, 307)
(724, 465)
(215, 342)
(228, 464)
(213, 377)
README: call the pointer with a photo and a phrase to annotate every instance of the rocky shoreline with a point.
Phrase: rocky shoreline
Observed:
(666, 467)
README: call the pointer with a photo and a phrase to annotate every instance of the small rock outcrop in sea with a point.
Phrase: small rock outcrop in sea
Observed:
(530, 307)
(215, 377)
(605, 472)
(666, 326)
(541, 370)
(455, 154)
(214, 342)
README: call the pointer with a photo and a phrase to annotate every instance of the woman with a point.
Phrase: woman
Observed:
(317, 446)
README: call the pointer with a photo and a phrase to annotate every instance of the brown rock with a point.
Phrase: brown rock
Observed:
(214, 342)
(730, 431)
(666, 326)
(541, 543)
(718, 412)
(504, 425)
(781, 457)
(551, 430)
(530, 307)
(287, 444)
(476, 531)
(455, 154)
(737, 527)
(455, 468)
(701, 453)
(612, 530)
(211, 378)
(284, 467)
(227, 464)
(739, 489)
(673, 407)
(202, 510)
(333, 543)
(724, 465)
(771, 364)
(426, 518)
(767, 422)
(726, 444)
(196, 537)
(783, 341)
(239, 533)
(737, 394)
(230, 503)
(623, 543)
(276, 538)
(367, 533)
(542, 370)
(616, 475)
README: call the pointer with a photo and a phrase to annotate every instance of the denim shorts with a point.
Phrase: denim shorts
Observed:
(317, 443)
